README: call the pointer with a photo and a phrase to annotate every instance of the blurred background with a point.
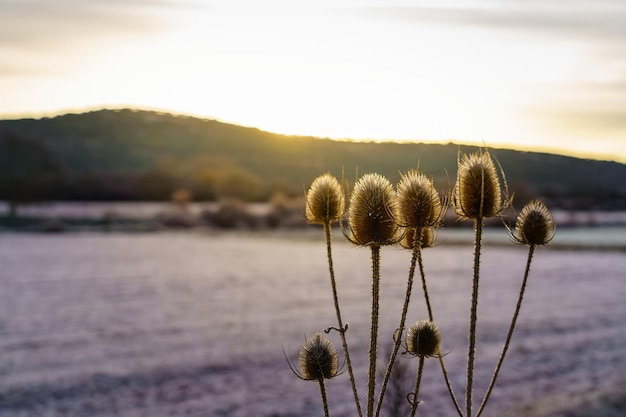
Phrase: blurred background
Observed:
(154, 157)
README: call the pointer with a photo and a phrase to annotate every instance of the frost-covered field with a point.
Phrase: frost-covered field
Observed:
(194, 324)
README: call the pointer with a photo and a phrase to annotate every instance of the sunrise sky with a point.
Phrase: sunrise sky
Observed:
(540, 74)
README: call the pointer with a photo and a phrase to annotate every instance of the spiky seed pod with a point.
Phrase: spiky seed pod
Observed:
(325, 200)
(373, 212)
(419, 202)
(477, 193)
(423, 339)
(428, 238)
(318, 358)
(534, 225)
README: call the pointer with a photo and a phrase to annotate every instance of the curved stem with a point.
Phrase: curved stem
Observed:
(478, 229)
(328, 236)
(405, 308)
(418, 380)
(371, 385)
(324, 399)
(424, 287)
(449, 386)
(531, 251)
(431, 318)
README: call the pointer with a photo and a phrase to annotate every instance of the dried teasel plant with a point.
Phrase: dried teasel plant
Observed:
(478, 194)
(427, 239)
(378, 216)
(419, 202)
(372, 222)
(423, 340)
(325, 200)
(373, 212)
(420, 211)
(318, 361)
(534, 226)
(325, 204)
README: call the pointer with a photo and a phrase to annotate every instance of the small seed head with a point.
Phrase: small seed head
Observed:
(477, 193)
(423, 339)
(428, 238)
(373, 212)
(534, 225)
(419, 202)
(324, 200)
(318, 358)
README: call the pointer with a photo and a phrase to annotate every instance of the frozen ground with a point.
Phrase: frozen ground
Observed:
(194, 324)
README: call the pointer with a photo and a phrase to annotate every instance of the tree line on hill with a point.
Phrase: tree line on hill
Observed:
(130, 155)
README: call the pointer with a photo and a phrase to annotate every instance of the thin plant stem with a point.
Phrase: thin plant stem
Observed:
(531, 251)
(418, 381)
(418, 251)
(405, 308)
(449, 386)
(431, 318)
(478, 229)
(371, 385)
(324, 399)
(342, 331)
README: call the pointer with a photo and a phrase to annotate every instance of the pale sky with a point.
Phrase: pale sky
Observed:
(540, 74)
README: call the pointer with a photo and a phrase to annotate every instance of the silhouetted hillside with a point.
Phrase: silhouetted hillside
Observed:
(129, 154)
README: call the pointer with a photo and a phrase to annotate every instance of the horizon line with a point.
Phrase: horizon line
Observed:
(448, 141)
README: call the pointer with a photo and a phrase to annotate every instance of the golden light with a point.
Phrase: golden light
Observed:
(337, 71)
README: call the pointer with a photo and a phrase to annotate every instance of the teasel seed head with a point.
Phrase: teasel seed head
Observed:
(428, 237)
(325, 200)
(419, 202)
(477, 193)
(318, 359)
(423, 339)
(373, 212)
(534, 225)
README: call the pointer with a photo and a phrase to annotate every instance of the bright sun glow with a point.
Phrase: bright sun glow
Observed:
(363, 70)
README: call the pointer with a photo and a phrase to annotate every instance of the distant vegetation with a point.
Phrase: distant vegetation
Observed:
(29, 171)
(113, 155)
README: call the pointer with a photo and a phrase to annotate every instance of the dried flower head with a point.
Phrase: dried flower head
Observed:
(423, 339)
(324, 200)
(419, 202)
(318, 359)
(428, 237)
(534, 225)
(373, 212)
(477, 193)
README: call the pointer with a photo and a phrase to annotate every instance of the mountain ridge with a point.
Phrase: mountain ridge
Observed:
(206, 154)
(602, 157)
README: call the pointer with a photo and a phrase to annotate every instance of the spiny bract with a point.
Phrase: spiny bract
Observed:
(419, 202)
(423, 339)
(325, 200)
(318, 358)
(373, 212)
(477, 193)
(534, 225)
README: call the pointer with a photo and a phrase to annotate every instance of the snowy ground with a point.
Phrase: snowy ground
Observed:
(194, 324)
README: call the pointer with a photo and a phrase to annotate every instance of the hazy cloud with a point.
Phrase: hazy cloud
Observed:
(557, 65)
(595, 111)
(36, 23)
(592, 101)
(601, 19)
(612, 122)
(43, 37)
(602, 130)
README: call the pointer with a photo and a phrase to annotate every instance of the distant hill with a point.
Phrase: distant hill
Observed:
(132, 154)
